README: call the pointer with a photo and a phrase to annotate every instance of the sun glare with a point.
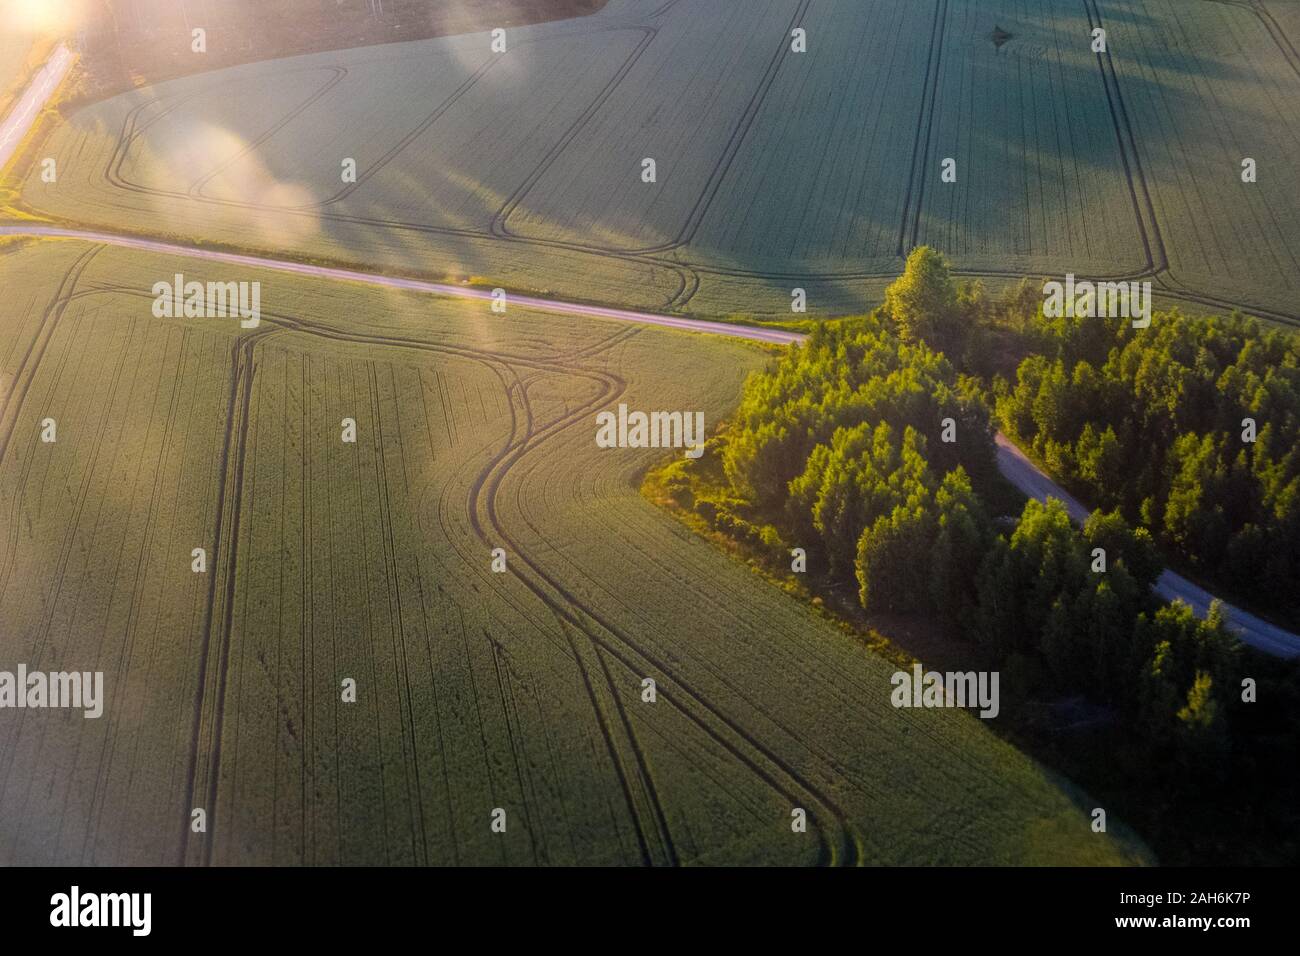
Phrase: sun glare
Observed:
(39, 16)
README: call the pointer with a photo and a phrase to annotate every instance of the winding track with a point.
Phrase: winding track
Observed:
(838, 844)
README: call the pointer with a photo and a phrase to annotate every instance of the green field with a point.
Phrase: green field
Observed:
(775, 169)
(372, 561)
(330, 561)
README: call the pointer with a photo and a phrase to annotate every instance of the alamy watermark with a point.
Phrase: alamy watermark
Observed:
(651, 430)
(200, 300)
(75, 909)
(1110, 300)
(39, 689)
(950, 689)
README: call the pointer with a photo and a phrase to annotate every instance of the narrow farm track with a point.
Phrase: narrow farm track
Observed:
(602, 633)
(627, 650)
(1149, 229)
(910, 225)
(230, 469)
(572, 610)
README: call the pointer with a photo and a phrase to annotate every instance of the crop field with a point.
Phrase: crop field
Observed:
(1038, 167)
(14, 50)
(815, 189)
(1203, 95)
(1287, 15)
(476, 690)
(524, 167)
(387, 641)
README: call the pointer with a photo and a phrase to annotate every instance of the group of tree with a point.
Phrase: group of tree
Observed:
(1191, 427)
(866, 446)
(1077, 608)
(859, 442)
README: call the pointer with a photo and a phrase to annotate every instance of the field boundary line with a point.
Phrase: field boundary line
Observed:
(1132, 165)
(925, 118)
(719, 172)
(498, 226)
(340, 73)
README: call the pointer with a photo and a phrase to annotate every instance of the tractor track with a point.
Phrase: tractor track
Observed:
(721, 168)
(921, 150)
(483, 495)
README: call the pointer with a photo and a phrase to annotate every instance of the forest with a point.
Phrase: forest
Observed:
(1191, 428)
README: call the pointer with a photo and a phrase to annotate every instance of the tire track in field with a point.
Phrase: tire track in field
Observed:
(720, 170)
(536, 438)
(230, 467)
(132, 130)
(115, 176)
(16, 395)
(921, 150)
(863, 782)
(510, 715)
(662, 10)
(1275, 31)
(497, 226)
(854, 683)
(405, 141)
(1144, 209)
(414, 794)
(633, 665)
(1279, 35)
(1158, 262)
(494, 362)
(579, 653)
(196, 188)
(689, 273)
(723, 166)
(49, 324)
(571, 607)
(1175, 287)
(118, 179)
(626, 653)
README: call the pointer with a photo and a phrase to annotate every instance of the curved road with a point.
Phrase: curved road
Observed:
(1013, 464)
(33, 100)
(1027, 476)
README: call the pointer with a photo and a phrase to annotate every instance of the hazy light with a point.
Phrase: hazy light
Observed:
(40, 16)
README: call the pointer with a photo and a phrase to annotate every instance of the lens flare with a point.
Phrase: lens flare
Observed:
(41, 16)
